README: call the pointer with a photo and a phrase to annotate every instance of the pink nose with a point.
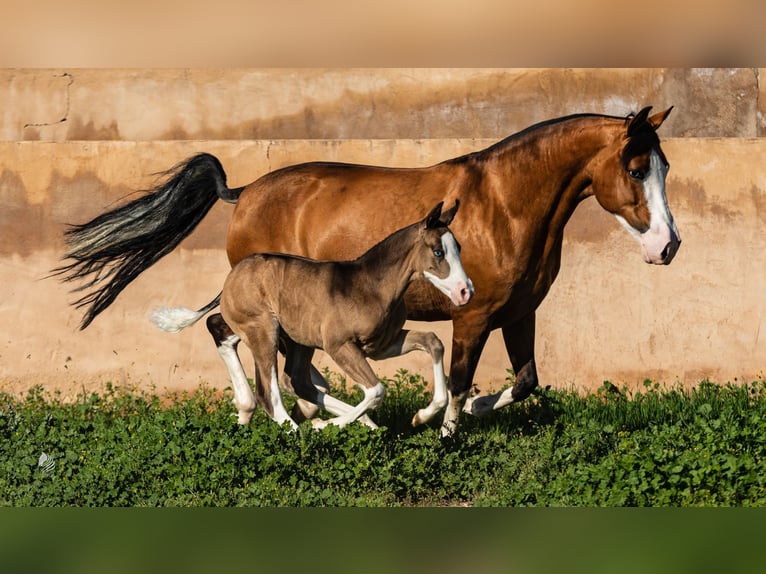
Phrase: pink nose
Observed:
(464, 294)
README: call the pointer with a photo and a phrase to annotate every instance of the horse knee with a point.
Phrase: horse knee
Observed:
(434, 346)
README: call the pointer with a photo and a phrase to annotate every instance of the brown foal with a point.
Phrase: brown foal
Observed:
(351, 309)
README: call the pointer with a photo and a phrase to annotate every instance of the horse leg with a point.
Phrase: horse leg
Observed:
(519, 340)
(294, 379)
(261, 337)
(309, 384)
(423, 341)
(468, 340)
(351, 359)
(226, 342)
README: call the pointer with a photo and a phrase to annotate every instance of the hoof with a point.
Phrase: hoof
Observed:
(420, 418)
(319, 424)
(447, 429)
(367, 421)
(477, 406)
(244, 417)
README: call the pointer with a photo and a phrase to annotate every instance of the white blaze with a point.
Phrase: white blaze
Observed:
(662, 229)
(457, 286)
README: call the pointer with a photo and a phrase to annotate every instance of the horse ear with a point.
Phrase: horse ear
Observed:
(447, 216)
(657, 119)
(432, 219)
(638, 120)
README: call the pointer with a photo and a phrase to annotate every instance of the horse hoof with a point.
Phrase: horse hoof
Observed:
(476, 407)
(447, 429)
(421, 417)
(367, 421)
(319, 424)
(244, 417)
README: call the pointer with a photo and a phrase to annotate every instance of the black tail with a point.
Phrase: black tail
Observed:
(115, 247)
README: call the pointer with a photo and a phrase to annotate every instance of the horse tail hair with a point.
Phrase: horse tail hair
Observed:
(114, 248)
(175, 319)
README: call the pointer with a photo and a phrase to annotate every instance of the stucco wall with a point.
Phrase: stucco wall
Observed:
(608, 316)
(396, 103)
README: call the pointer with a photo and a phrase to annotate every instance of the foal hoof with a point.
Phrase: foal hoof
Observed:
(420, 418)
(244, 417)
(319, 424)
(447, 429)
(367, 421)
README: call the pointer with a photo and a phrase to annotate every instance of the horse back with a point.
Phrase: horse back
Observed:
(316, 303)
(331, 211)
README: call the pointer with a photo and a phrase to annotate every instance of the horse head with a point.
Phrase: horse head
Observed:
(630, 184)
(439, 256)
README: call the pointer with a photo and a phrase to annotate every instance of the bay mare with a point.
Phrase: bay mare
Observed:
(516, 199)
(351, 309)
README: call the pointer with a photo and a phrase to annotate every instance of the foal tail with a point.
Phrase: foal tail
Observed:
(114, 248)
(174, 319)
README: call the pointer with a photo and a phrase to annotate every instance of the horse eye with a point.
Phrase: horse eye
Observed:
(636, 174)
(438, 253)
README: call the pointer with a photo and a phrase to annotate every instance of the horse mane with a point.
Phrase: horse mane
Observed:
(531, 129)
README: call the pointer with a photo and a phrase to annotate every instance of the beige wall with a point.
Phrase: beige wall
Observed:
(383, 103)
(608, 316)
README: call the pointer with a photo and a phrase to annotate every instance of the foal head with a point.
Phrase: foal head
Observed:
(437, 256)
(630, 184)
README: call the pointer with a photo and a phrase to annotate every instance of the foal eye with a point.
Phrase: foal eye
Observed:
(636, 174)
(438, 253)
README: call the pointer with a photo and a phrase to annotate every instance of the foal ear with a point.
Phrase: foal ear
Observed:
(432, 219)
(657, 119)
(638, 120)
(449, 215)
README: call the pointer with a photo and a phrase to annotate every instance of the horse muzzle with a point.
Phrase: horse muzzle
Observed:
(660, 249)
(462, 293)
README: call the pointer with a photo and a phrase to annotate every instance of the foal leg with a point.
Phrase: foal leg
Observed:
(261, 337)
(226, 342)
(311, 387)
(351, 359)
(423, 341)
(294, 378)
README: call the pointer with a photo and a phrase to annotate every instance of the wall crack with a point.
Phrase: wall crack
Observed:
(70, 81)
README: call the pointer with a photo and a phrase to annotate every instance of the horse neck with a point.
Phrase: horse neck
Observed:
(389, 265)
(548, 169)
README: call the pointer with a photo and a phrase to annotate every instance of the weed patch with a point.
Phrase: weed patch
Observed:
(658, 447)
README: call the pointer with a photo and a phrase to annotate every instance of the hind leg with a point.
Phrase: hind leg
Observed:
(226, 342)
(295, 378)
(260, 335)
(309, 384)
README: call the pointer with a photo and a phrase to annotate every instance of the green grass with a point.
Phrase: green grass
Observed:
(658, 447)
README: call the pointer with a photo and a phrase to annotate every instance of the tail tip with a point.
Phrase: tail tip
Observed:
(173, 320)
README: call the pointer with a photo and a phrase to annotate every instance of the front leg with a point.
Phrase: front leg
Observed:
(468, 340)
(426, 341)
(311, 387)
(351, 359)
(519, 340)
